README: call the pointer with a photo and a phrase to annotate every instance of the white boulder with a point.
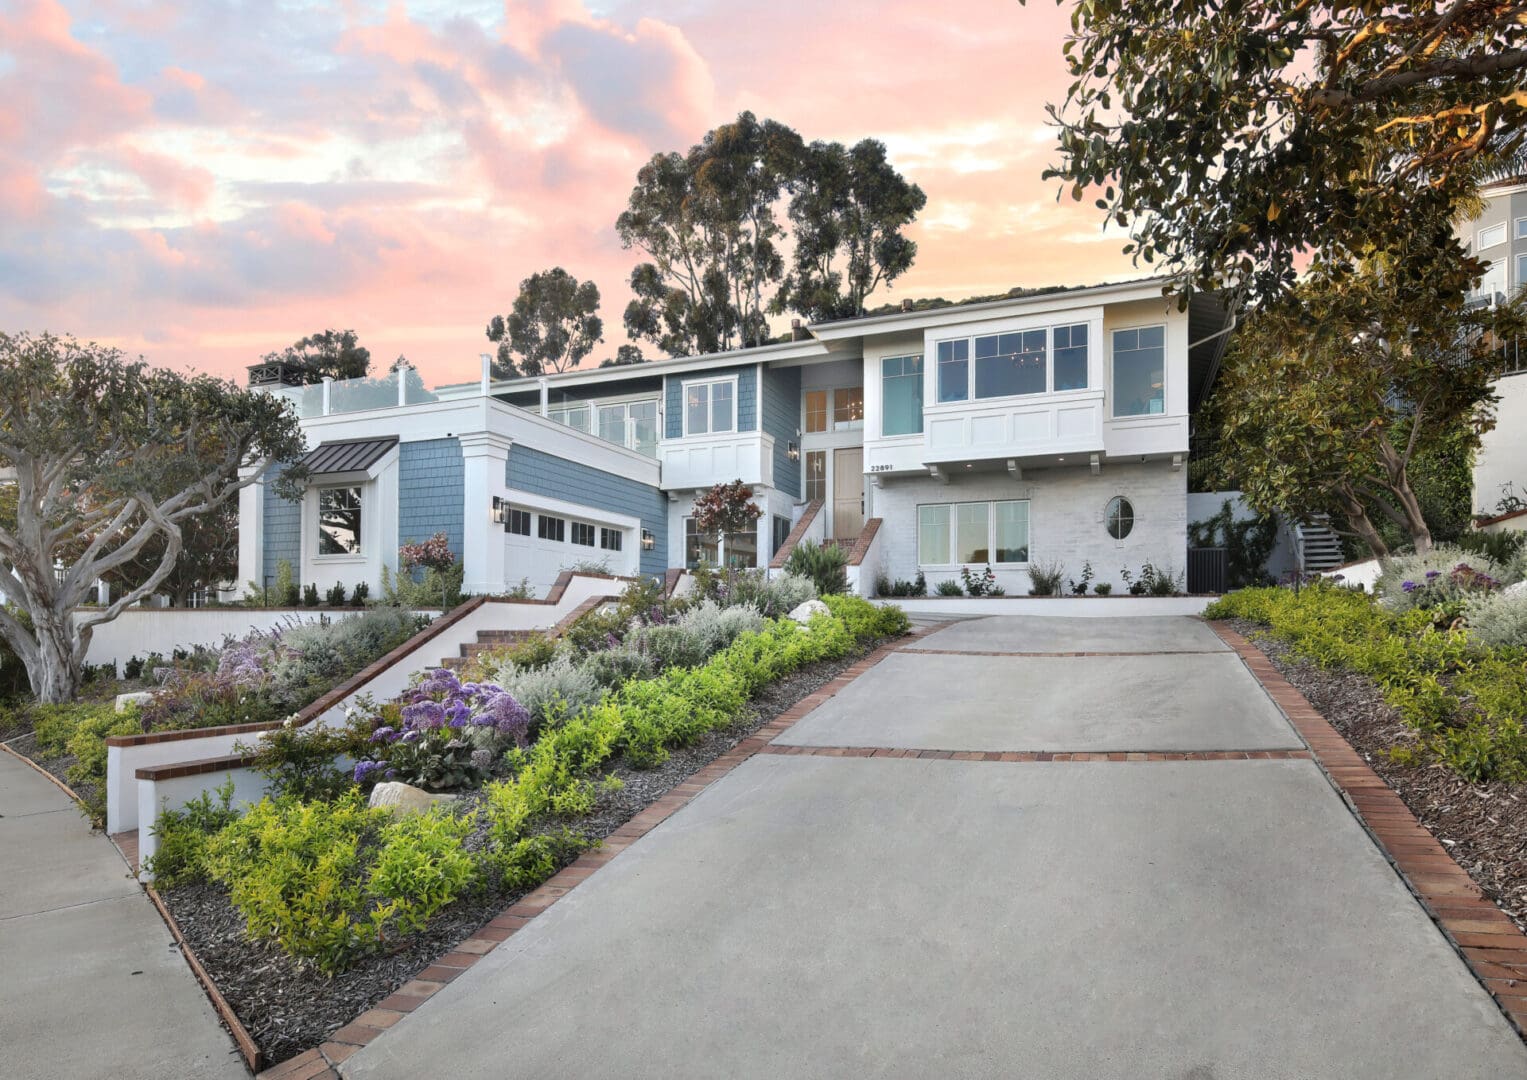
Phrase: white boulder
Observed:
(803, 612)
(404, 798)
(139, 698)
(1517, 591)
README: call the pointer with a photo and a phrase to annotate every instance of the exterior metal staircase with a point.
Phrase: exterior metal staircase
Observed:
(1317, 545)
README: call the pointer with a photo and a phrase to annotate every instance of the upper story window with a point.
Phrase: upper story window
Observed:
(574, 416)
(632, 424)
(1139, 371)
(1521, 228)
(848, 408)
(710, 407)
(901, 395)
(1492, 235)
(339, 521)
(816, 411)
(1014, 364)
(1521, 270)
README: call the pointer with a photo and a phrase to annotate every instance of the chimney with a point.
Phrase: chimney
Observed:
(797, 331)
(906, 305)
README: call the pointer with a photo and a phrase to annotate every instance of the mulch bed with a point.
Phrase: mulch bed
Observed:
(1483, 826)
(289, 1007)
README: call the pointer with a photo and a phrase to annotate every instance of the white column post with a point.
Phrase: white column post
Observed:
(103, 593)
(484, 563)
(487, 373)
(328, 387)
(252, 532)
(545, 397)
(402, 373)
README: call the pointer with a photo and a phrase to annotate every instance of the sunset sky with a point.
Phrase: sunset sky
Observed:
(204, 182)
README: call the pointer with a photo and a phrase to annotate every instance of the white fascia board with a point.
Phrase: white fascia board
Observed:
(786, 350)
(1044, 303)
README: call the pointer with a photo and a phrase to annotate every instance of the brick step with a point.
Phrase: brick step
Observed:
(505, 635)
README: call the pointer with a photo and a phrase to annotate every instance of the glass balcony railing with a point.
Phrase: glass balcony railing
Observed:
(358, 395)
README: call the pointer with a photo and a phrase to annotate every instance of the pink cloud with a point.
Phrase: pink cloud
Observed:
(400, 174)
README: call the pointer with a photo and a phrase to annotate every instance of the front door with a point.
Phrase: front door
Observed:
(847, 492)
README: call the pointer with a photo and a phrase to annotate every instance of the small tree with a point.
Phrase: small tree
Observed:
(337, 354)
(107, 456)
(432, 554)
(553, 325)
(724, 509)
(624, 357)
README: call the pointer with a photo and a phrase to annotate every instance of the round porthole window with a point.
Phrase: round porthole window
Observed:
(1121, 517)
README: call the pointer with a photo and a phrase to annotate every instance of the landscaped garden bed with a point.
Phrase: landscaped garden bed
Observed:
(1429, 683)
(313, 906)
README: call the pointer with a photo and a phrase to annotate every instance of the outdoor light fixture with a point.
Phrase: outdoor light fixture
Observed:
(792, 451)
(648, 540)
(499, 515)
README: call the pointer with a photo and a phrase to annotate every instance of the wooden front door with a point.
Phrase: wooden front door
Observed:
(847, 492)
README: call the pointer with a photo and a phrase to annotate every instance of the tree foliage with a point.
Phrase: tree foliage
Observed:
(553, 325)
(107, 456)
(850, 204)
(710, 224)
(624, 356)
(1328, 403)
(209, 557)
(1231, 138)
(337, 354)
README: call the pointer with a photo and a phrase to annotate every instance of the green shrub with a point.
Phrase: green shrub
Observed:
(336, 595)
(434, 589)
(670, 646)
(560, 684)
(918, 586)
(865, 620)
(1466, 700)
(612, 667)
(183, 836)
(825, 564)
(421, 866)
(310, 596)
(304, 762)
(1248, 543)
(950, 587)
(1045, 577)
(1503, 548)
(1498, 620)
(771, 597)
(1432, 578)
(715, 627)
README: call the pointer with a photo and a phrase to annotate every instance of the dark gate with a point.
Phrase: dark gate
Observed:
(1208, 570)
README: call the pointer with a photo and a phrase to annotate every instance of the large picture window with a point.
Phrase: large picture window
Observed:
(1010, 365)
(901, 395)
(710, 407)
(339, 521)
(961, 534)
(1139, 370)
(1014, 364)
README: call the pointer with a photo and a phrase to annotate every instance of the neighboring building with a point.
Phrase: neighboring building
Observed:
(1499, 235)
(1050, 427)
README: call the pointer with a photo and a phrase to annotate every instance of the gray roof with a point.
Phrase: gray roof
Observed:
(348, 455)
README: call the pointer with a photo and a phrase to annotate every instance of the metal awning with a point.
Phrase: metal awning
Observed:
(348, 455)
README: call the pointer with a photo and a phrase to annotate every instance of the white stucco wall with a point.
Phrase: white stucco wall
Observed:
(1066, 522)
(1502, 456)
(1205, 504)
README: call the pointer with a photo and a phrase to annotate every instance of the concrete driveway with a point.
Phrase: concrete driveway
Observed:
(825, 916)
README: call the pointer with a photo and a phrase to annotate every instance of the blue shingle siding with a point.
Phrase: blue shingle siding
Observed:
(539, 473)
(747, 396)
(431, 481)
(781, 418)
(283, 531)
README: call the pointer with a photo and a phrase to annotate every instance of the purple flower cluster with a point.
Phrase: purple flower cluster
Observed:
(442, 717)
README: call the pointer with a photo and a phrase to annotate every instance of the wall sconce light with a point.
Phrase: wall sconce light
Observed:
(792, 451)
(648, 540)
(499, 515)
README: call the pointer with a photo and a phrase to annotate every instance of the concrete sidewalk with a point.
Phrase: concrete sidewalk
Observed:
(91, 983)
(833, 916)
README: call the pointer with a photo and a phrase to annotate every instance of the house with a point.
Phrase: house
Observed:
(1499, 235)
(1049, 427)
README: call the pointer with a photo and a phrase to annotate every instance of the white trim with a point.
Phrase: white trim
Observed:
(1479, 236)
(542, 504)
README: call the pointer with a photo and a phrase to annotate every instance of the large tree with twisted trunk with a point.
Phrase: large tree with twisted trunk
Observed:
(1235, 139)
(101, 458)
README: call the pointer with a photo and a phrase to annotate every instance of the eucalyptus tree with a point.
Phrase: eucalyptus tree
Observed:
(552, 326)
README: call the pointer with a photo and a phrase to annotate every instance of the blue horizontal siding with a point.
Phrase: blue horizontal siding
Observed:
(283, 532)
(540, 473)
(431, 492)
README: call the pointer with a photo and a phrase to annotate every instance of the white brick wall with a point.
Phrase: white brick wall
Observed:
(1066, 523)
